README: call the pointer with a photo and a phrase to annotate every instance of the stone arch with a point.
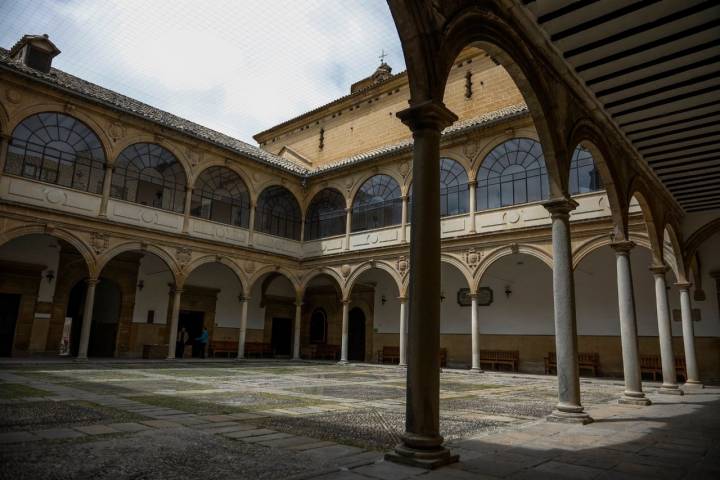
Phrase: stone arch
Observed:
(433, 35)
(192, 179)
(315, 189)
(464, 161)
(172, 265)
(641, 192)
(227, 262)
(20, 115)
(276, 181)
(4, 120)
(91, 262)
(698, 237)
(152, 139)
(461, 267)
(322, 271)
(585, 133)
(369, 265)
(504, 251)
(274, 269)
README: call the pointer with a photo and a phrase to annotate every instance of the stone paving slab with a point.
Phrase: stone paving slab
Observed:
(264, 438)
(58, 433)
(18, 437)
(129, 427)
(96, 429)
(161, 424)
(249, 433)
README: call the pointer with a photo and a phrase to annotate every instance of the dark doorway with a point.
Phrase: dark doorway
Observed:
(9, 305)
(356, 335)
(281, 339)
(193, 322)
(106, 314)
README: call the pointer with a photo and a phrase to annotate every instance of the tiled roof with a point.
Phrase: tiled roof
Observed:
(85, 89)
(88, 90)
(457, 128)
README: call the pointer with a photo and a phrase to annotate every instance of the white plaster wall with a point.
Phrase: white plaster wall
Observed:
(155, 294)
(38, 250)
(710, 309)
(454, 318)
(280, 286)
(386, 317)
(215, 275)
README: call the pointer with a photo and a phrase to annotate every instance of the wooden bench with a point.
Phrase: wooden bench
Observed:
(586, 361)
(494, 358)
(258, 349)
(389, 355)
(227, 347)
(652, 365)
(443, 357)
(326, 352)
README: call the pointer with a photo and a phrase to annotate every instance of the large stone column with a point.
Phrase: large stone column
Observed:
(472, 187)
(693, 375)
(107, 183)
(87, 318)
(174, 316)
(403, 331)
(628, 327)
(348, 228)
(569, 408)
(296, 330)
(404, 219)
(475, 333)
(243, 326)
(667, 358)
(345, 320)
(422, 444)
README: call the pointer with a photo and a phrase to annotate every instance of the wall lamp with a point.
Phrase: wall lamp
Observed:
(508, 292)
(50, 275)
(383, 299)
(141, 285)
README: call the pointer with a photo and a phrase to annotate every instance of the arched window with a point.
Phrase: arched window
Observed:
(149, 174)
(584, 175)
(278, 213)
(57, 148)
(377, 204)
(513, 173)
(325, 216)
(453, 188)
(318, 327)
(220, 195)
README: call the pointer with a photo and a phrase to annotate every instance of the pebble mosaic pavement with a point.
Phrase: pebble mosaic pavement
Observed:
(274, 419)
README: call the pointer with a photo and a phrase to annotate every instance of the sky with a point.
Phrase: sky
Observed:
(236, 66)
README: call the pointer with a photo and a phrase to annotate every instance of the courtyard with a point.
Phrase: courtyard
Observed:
(280, 419)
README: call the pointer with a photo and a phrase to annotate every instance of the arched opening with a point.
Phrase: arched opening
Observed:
(375, 293)
(515, 310)
(455, 317)
(356, 335)
(321, 328)
(271, 314)
(377, 204)
(584, 174)
(325, 216)
(278, 213)
(221, 195)
(59, 149)
(512, 173)
(454, 189)
(149, 174)
(37, 273)
(105, 317)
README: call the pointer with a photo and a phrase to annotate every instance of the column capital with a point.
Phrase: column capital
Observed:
(623, 246)
(244, 298)
(683, 285)
(659, 269)
(472, 184)
(474, 296)
(560, 207)
(402, 298)
(430, 115)
(92, 281)
(345, 301)
(298, 304)
(715, 274)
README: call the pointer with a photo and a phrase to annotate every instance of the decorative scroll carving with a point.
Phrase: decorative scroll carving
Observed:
(99, 242)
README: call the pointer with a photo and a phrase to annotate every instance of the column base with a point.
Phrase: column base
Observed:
(628, 399)
(581, 417)
(170, 357)
(81, 359)
(402, 365)
(421, 458)
(343, 362)
(477, 370)
(670, 390)
(693, 384)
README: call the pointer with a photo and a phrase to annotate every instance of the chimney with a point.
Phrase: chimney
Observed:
(35, 51)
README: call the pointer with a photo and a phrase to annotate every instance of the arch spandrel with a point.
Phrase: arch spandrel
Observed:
(80, 244)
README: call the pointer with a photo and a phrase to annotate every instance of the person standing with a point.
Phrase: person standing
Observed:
(202, 341)
(182, 338)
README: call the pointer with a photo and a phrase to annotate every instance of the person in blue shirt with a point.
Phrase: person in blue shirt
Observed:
(202, 341)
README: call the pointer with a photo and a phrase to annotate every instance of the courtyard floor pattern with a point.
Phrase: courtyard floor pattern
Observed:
(274, 419)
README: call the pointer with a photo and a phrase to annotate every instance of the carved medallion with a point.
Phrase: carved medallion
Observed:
(116, 130)
(472, 258)
(99, 242)
(402, 265)
(345, 270)
(13, 95)
(183, 255)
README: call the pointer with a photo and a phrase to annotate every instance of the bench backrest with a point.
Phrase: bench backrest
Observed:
(389, 351)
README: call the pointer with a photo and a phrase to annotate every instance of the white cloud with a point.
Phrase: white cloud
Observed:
(236, 66)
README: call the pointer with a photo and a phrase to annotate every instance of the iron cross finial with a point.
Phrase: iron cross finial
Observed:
(382, 56)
